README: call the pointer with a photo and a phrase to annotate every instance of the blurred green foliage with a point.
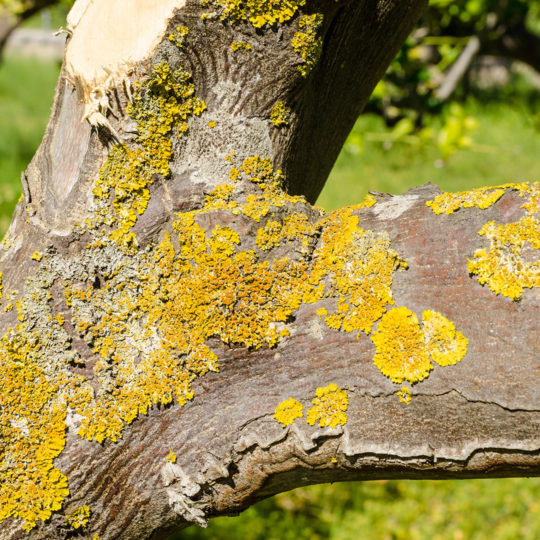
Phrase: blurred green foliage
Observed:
(465, 16)
(502, 509)
(505, 149)
(408, 94)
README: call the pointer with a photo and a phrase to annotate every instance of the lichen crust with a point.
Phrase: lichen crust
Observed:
(329, 407)
(288, 411)
(307, 42)
(510, 264)
(404, 350)
(280, 114)
(79, 517)
(147, 313)
(259, 13)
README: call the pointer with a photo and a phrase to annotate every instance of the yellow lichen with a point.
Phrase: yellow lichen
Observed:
(400, 349)
(444, 344)
(505, 267)
(237, 45)
(447, 203)
(32, 432)
(212, 124)
(295, 227)
(165, 101)
(307, 43)
(178, 37)
(78, 518)
(404, 395)
(171, 458)
(21, 307)
(358, 265)
(257, 12)
(329, 407)
(288, 411)
(280, 115)
(404, 350)
(37, 256)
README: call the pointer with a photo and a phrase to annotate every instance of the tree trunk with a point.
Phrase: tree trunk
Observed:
(154, 246)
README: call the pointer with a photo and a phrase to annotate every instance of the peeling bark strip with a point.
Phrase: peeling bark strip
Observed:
(183, 334)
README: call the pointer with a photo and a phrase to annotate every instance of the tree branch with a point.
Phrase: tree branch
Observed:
(155, 245)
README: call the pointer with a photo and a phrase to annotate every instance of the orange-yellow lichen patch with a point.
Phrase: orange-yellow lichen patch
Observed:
(511, 263)
(503, 267)
(294, 227)
(307, 43)
(171, 458)
(445, 345)
(164, 102)
(288, 411)
(404, 350)
(482, 198)
(401, 353)
(32, 432)
(78, 518)
(240, 45)
(179, 36)
(191, 289)
(257, 12)
(357, 266)
(404, 395)
(329, 407)
(280, 115)
(37, 256)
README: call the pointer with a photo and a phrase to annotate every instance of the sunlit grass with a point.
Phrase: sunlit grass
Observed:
(501, 509)
(26, 92)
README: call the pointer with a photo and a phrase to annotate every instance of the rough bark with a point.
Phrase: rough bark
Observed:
(478, 417)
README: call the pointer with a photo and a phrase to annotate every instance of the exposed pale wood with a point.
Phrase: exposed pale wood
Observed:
(109, 38)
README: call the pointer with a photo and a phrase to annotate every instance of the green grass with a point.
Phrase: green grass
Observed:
(26, 93)
(502, 509)
(505, 149)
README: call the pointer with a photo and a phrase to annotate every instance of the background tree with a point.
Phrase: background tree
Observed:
(14, 12)
(148, 257)
(437, 57)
